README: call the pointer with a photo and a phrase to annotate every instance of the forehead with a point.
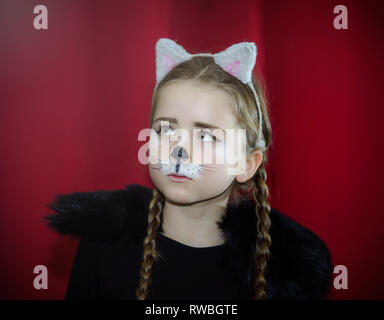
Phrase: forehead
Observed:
(192, 101)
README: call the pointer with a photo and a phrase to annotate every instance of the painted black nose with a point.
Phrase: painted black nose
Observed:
(179, 153)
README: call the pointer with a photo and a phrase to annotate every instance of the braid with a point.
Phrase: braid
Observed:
(149, 253)
(263, 243)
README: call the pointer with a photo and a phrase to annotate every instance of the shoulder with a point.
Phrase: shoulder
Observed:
(300, 265)
(102, 215)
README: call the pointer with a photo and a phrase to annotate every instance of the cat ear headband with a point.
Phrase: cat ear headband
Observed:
(238, 60)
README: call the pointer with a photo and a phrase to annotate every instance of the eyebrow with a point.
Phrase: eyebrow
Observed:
(198, 124)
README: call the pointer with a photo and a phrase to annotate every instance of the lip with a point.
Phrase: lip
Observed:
(176, 178)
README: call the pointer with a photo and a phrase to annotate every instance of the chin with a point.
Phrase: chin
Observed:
(178, 192)
(173, 191)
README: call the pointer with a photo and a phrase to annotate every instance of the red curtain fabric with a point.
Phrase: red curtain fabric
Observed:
(74, 97)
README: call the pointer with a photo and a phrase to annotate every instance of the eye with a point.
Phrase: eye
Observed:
(205, 134)
(165, 130)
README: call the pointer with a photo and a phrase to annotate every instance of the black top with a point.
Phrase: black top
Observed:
(111, 271)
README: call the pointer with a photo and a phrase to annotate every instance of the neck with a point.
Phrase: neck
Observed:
(195, 224)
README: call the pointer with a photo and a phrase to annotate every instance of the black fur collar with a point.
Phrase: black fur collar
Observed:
(299, 267)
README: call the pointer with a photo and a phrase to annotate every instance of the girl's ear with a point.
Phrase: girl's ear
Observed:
(168, 55)
(252, 163)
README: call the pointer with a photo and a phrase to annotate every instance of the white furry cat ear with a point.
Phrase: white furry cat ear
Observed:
(168, 55)
(238, 60)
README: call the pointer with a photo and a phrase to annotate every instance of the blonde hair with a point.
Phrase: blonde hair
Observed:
(204, 69)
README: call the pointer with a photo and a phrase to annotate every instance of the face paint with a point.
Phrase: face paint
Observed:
(190, 170)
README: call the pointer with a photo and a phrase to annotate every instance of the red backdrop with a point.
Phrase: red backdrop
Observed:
(74, 97)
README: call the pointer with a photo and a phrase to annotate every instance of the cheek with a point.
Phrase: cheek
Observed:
(158, 179)
(219, 155)
(214, 179)
(210, 154)
(214, 184)
(219, 176)
(231, 156)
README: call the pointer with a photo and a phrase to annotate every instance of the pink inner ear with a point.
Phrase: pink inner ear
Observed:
(233, 68)
(168, 62)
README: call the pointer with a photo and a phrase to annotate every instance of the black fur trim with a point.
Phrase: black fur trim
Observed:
(108, 216)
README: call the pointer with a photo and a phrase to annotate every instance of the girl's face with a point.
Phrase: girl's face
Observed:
(189, 140)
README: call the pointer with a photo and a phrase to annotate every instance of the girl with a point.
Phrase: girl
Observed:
(202, 232)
